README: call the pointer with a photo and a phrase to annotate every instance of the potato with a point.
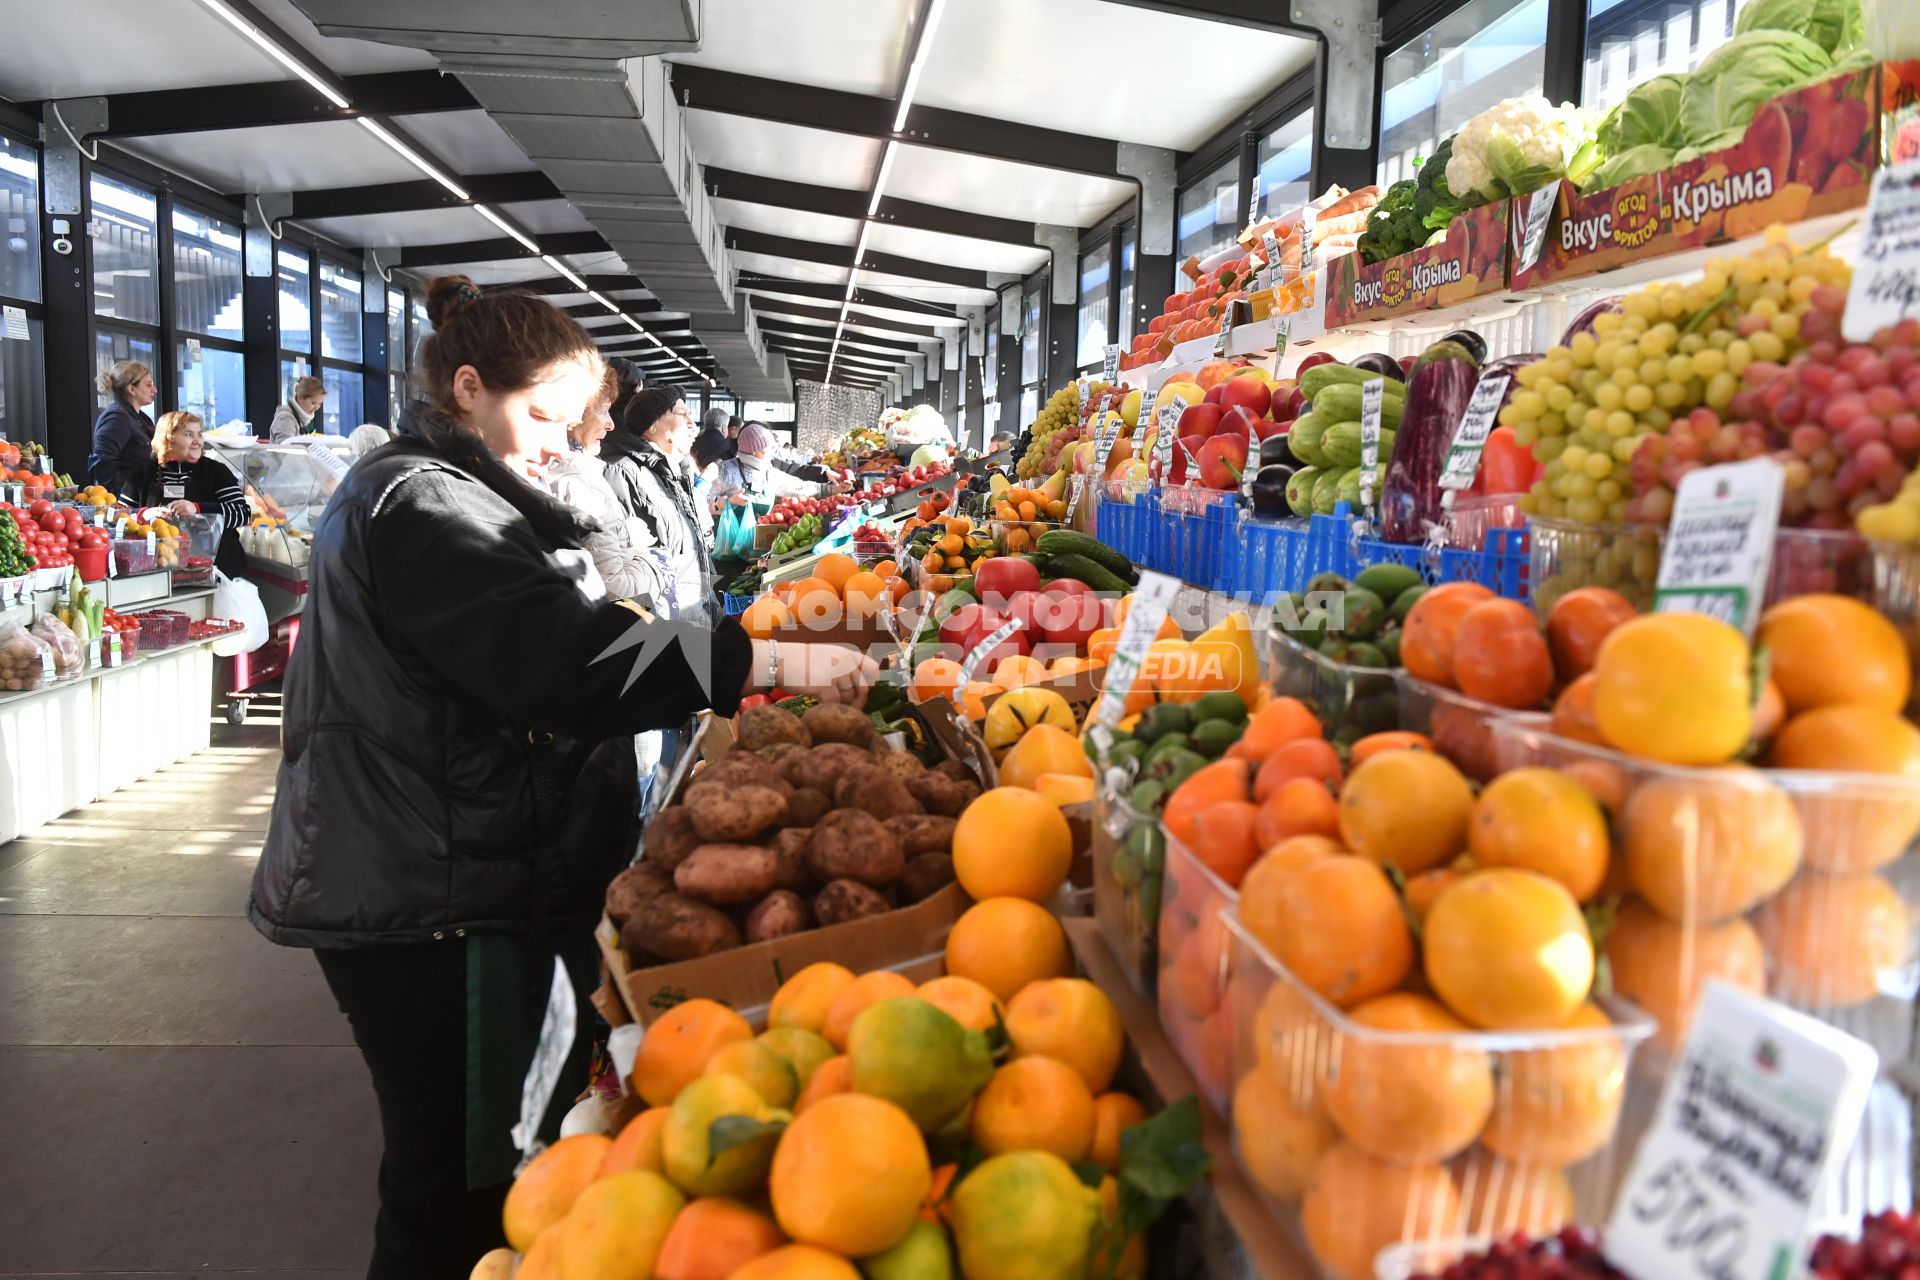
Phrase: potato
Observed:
(877, 793)
(922, 833)
(807, 806)
(837, 722)
(725, 813)
(925, 876)
(850, 844)
(779, 753)
(940, 793)
(954, 769)
(790, 848)
(670, 837)
(845, 900)
(901, 764)
(634, 886)
(676, 927)
(766, 726)
(780, 914)
(728, 874)
(742, 769)
(824, 766)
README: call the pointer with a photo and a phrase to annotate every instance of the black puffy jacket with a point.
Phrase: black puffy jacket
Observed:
(456, 759)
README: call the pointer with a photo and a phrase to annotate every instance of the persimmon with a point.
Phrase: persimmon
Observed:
(1541, 820)
(1392, 740)
(1409, 1102)
(1508, 949)
(1857, 828)
(1824, 649)
(1407, 808)
(1336, 923)
(1219, 782)
(1579, 622)
(1427, 639)
(1300, 807)
(1462, 732)
(1260, 889)
(1312, 758)
(1279, 722)
(1704, 848)
(1675, 687)
(1225, 839)
(1573, 712)
(1500, 656)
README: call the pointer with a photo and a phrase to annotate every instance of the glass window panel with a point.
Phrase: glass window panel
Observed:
(990, 363)
(23, 386)
(110, 347)
(339, 312)
(1096, 267)
(1481, 54)
(1285, 161)
(126, 252)
(396, 397)
(1629, 41)
(1129, 247)
(396, 329)
(1029, 405)
(1030, 335)
(1210, 212)
(206, 275)
(211, 382)
(20, 212)
(965, 360)
(296, 300)
(345, 408)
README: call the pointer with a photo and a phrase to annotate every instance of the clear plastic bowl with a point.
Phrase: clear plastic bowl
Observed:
(1193, 971)
(1129, 865)
(1349, 699)
(1461, 727)
(1474, 516)
(1896, 594)
(1359, 1140)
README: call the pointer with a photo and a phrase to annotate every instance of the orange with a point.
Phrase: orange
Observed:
(1674, 687)
(547, 1187)
(1035, 1104)
(617, 1226)
(833, 1076)
(817, 608)
(766, 617)
(836, 570)
(1541, 820)
(802, 1000)
(1278, 1143)
(1409, 809)
(1503, 1198)
(797, 1262)
(1409, 1102)
(1509, 949)
(1559, 1103)
(1427, 639)
(1336, 923)
(1005, 943)
(866, 594)
(638, 1144)
(1044, 749)
(1662, 966)
(854, 999)
(675, 1049)
(1356, 1206)
(1500, 657)
(1017, 670)
(1113, 1115)
(1301, 807)
(849, 1175)
(1573, 711)
(1012, 842)
(1579, 622)
(964, 1000)
(542, 1261)
(1823, 649)
(1862, 826)
(1832, 939)
(712, 1238)
(1072, 1021)
(1706, 847)
(1260, 889)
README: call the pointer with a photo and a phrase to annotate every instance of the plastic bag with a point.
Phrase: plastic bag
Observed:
(68, 657)
(239, 599)
(26, 661)
(733, 535)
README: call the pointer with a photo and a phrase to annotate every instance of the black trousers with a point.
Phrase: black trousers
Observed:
(408, 1007)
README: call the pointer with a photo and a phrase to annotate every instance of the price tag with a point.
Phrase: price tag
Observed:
(193, 350)
(1886, 278)
(113, 650)
(1143, 416)
(14, 323)
(1166, 421)
(1372, 392)
(980, 651)
(1110, 364)
(1476, 424)
(1151, 600)
(1531, 236)
(1757, 1116)
(46, 665)
(1282, 329)
(1080, 397)
(549, 1059)
(1309, 216)
(150, 548)
(328, 459)
(1220, 339)
(1271, 244)
(1719, 543)
(1253, 199)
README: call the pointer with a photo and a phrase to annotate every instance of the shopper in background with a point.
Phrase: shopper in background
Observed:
(457, 785)
(365, 438)
(297, 414)
(751, 471)
(646, 457)
(710, 447)
(180, 482)
(578, 478)
(632, 381)
(799, 468)
(122, 435)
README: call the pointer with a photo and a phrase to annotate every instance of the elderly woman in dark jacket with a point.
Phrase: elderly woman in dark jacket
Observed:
(647, 460)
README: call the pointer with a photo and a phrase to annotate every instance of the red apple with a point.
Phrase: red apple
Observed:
(1237, 421)
(1250, 394)
(1222, 459)
(1313, 360)
(1267, 428)
(1199, 420)
(1214, 394)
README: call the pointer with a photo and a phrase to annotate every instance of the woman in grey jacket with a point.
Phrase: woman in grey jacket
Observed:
(628, 564)
(646, 466)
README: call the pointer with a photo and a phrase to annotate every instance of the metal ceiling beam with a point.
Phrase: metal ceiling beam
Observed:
(440, 255)
(838, 293)
(279, 102)
(1263, 15)
(411, 197)
(807, 330)
(835, 255)
(589, 310)
(814, 346)
(608, 285)
(839, 202)
(831, 315)
(867, 116)
(818, 373)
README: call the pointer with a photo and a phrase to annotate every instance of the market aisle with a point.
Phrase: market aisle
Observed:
(177, 1096)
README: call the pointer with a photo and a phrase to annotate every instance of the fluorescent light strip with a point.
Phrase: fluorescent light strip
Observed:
(412, 157)
(233, 19)
(507, 227)
(860, 249)
(567, 273)
(922, 46)
(611, 306)
(880, 179)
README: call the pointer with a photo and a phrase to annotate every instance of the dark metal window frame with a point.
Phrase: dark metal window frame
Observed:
(36, 309)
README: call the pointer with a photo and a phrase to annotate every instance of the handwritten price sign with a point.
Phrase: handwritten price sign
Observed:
(1886, 280)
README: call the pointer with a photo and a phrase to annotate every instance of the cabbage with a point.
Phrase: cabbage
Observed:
(1731, 82)
(1834, 25)
(1648, 116)
(1634, 162)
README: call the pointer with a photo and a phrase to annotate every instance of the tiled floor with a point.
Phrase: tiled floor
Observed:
(178, 1097)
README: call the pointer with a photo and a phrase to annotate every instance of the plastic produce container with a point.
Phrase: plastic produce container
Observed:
(162, 628)
(134, 555)
(1896, 594)
(1194, 970)
(1129, 865)
(1360, 1140)
(1350, 701)
(1461, 727)
(194, 549)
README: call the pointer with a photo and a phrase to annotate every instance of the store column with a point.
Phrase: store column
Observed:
(1063, 291)
(374, 355)
(260, 309)
(1152, 168)
(67, 269)
(1008, 419)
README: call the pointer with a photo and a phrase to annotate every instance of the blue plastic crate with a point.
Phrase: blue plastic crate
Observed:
(736, 605)
(1213, 562)
(1500, 564)
(1265, 559)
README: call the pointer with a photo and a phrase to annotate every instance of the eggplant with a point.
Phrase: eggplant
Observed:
(1583, 323)
(1274, 451)
(1475, 344)
(1382, 363)
(1442, 383)
(1270, 491)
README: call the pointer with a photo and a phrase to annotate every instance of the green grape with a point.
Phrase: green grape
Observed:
(1639, 397)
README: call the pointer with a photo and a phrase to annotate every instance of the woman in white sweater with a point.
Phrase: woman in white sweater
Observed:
(623, 550)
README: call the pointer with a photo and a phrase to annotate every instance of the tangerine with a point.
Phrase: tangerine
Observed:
(1409, 1101)
(803, 1050)
(1259, 891)
(1541, 820)
(803, 1000)
(1509, 949)
(1013, 842)
(833, 1076)
(1356, 1206)
(1301, 807)
(1579, 622)
(1113, 1115)
(1832, 940)
(964, 1000)
(637, 1146)
(1427, 637)
(1662, 965)
(1278, 1142)
(1500, 657)
(856, 998)
(713, 1238)
(617, 1226)
(545, 1190)
(1312, 758)
(675, 1049)
(1023, 1215)
(1824, 649)
(771, 1075)
(1704, 848)
(1217, 783)
(849, 1175)
(686, 1140)
(1035, 1103)
(1273, 726)
(1559, 1103)
(1409, 809)
(1072, 1021)
(1226, 838)
(1005, 943)
(1194, 975)
(797, 1262)
(1674, 687)
(1390, 740)
(1336, 924)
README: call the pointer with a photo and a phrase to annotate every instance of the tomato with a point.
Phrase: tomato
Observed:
(1505, 466)
(38, 507)
(753, 700)
(1069, 617)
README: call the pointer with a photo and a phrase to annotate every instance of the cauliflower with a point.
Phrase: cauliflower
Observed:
(1518, 146)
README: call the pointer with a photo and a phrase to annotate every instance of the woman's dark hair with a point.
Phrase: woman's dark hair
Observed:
(649, 407)
(709, 447)
(632, 379)
(508, 338)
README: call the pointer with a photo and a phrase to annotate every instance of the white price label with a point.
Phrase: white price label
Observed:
(1271, 243)
(1253, 199)
(327, 458)
(1757, 1115)
(1166, 421)
(1143, 416)
(557, 1030)
(1309, 218)
(1282, 328)
(1080, 396)
(1531, 236)
(120, 527)
(1886, 277)
(980, 651)
(1079, 491)
(1226, 332)
(1151, 600)
(1103, 445)
(1719, 544)
(15, 325)
(1372, 393)
(1476, 424)
(193, 350)
(113, 648)
(1110, 364)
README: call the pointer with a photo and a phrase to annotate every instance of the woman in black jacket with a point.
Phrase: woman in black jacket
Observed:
(122, 435)
(181, 482)
(458, 783)
(647, 456)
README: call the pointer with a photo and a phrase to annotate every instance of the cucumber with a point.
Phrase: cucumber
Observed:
(1322, 376)
(1059, 542)
(1073, 565)
(1341, 403)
